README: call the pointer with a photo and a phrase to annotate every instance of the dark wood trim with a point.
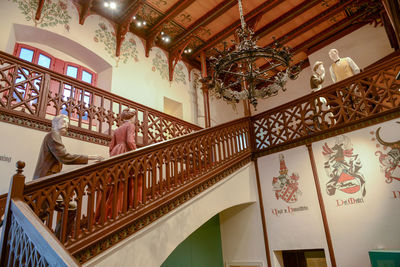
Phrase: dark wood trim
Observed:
(123, 24)
(39, 9)
(204, 20)
(308, 25)
(286, 17)
(109, 235)
(392, 8)
(225, 33)
(322, 206)
(15, 192)
(85, 11)
(91, 88)
(262, 213)
(172, 12)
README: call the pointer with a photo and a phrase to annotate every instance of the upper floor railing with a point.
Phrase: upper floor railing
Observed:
(362, 97)
(36, 95)
(91, 208)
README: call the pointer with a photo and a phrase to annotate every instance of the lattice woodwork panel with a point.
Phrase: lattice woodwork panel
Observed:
(28, 89)
(82, 203)
(371, 92)
(21, 250)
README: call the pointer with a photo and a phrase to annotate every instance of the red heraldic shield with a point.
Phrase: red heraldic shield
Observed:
(289, 193)
(350, 184)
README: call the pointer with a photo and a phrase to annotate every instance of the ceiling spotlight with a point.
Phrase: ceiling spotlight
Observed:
(113, 5)
(162, 33)
(106, 4)
(134, 17)
(144, 23)
(167, 39)
(139, 24)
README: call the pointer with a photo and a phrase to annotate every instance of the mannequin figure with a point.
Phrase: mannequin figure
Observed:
(318, 76)
(341, 68)
(53, 154)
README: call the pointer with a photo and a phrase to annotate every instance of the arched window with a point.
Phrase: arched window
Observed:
(73, 70)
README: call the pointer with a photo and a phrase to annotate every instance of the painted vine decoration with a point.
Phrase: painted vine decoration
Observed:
(54, 12)
(179, 75)
(160, 65)
(128, 48)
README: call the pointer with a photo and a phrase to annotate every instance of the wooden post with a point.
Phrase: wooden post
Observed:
(393, 11)
(262, 213)
(43, 95)
(207, 117)
(16, 191)
(322, 206)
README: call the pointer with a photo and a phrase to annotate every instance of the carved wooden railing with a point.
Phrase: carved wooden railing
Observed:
(167, 171)
(174, 171)
(362, 97)
(26, 241)
(31, 95)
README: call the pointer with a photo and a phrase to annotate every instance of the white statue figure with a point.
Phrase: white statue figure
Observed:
(318, 76)
(342, 68)
(320, 104)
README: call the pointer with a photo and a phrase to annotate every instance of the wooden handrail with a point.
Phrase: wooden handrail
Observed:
(149, 176)
(158, 176)
(25, 241)
(370, 94)
(35, 94)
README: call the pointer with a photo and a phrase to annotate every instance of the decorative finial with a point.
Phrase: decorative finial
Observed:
(20, 165)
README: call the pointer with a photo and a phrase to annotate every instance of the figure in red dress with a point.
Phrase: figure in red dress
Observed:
(122, 141)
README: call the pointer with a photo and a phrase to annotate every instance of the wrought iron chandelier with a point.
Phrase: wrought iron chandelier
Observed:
(235, 75)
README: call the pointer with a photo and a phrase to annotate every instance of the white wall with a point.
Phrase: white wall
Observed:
(151, 246)
(294, 225)
(361, 224)
(242, 235)
(373, 222)
(22, 143)
(365, 46)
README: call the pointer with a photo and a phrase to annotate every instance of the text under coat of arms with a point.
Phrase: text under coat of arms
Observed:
(389, 158)
(343, 168)
(285, 186)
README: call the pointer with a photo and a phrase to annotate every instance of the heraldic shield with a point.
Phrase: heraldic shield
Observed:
(286, 186)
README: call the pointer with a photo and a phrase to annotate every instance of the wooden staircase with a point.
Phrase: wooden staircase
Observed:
(174, 171)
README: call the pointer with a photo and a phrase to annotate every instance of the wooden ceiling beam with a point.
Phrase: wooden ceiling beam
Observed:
(124, 22)
(331, 33)
(85, 11)
(172, 12)
(285, 18)
(228, 31)
(39, 9)
(204, 20)
(308, 25)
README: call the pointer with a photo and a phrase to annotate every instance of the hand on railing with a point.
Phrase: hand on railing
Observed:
(96, 158)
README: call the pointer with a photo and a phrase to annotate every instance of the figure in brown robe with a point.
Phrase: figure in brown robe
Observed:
(53, 153)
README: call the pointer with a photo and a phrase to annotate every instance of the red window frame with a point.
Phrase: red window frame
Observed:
(61, 66)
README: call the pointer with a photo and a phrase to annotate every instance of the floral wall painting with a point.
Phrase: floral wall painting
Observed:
(54, 12)
(160, 65)
(106, 36)
(388, 153)
(179, 74)
(343, 168)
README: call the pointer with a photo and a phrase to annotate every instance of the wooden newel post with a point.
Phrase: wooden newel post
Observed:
(16, 191)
